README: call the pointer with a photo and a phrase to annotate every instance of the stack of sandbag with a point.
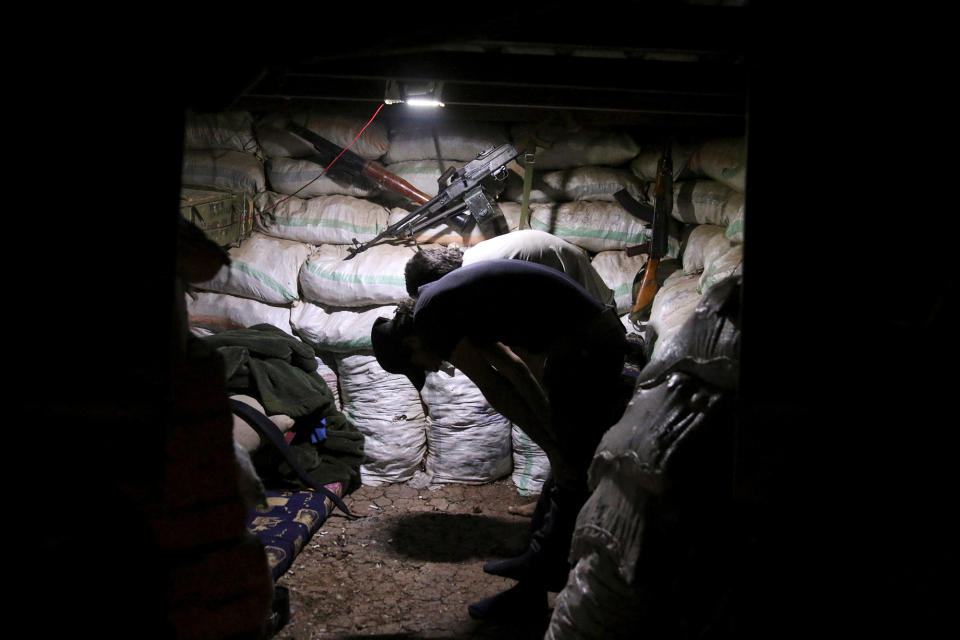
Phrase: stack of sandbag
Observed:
(652, 547)
(386, 408)
(468, 442)
(260, 285)
(326, 219)
(221, 153)
(291, 163)
(708, 200)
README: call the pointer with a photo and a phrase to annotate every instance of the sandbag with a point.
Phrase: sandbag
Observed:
(372, 278)
(699, 243)
(708, 342)
(334, 219)
(308, 179)
(336, 331)
(595, 226)
(449, 140)
(530, 464)
(231, 130)
(720, 264)
(223, 311)
(583, 148)
(262, 268)
(618, 271)
(386, 408)
(336, 126)
(595, 604)
(468, 442)
(723, 160)
(672, 306)
(593, 183)
(644, 166)
(709, 202)
(223, 170)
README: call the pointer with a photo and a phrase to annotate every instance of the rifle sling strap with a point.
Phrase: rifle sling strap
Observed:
(268, 430)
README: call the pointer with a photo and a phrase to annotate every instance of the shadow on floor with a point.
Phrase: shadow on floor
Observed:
(445, 537)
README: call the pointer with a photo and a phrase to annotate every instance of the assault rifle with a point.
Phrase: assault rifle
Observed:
(659, 218)
(461, 196)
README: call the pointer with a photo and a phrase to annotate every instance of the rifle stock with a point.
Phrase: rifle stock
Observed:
(648, 286)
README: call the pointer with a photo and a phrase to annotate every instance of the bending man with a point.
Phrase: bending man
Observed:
(555, 375)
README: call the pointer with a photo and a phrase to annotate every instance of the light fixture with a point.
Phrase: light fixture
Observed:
(418, 93)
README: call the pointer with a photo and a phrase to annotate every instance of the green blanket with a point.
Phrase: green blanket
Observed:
(281, 372)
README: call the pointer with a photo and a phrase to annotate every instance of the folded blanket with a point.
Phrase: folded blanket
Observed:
(280, 371)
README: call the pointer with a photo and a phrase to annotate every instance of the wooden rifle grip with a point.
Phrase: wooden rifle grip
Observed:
(395, 183)
(648, 286)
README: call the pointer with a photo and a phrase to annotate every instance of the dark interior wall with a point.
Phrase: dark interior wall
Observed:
(845, 464)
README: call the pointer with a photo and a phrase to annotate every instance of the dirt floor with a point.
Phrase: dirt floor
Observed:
(410, 568)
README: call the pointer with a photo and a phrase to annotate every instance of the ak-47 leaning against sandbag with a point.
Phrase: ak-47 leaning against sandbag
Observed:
(462, 195)
(659, 218)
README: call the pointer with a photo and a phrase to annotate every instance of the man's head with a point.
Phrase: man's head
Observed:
(399, 349)
(430, 264)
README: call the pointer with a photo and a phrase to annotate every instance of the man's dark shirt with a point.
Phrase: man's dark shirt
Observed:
(518, 303)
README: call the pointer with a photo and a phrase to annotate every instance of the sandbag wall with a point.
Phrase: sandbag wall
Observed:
(291, 271)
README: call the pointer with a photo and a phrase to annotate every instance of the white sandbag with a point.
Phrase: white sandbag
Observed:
(423, 174)
(595, 226)
(530, 464)
(593, 183)
(448, 140)
(335, 126)
(708, 202)
(711, 254)
(644, 166)
(336, 331)
(584, 148)
(673, 304)
(231, 130)
(543, 248)
(702, 237)
(540, 191)
(721, 263)
(223, 170)
(618, 271)
(262, 268)
(468, 442)
(335, 219)
(330, 377)
(307, 179)
(371, 278)
(596, 604)
(386, 408)
(223, 311)
(724, 160)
